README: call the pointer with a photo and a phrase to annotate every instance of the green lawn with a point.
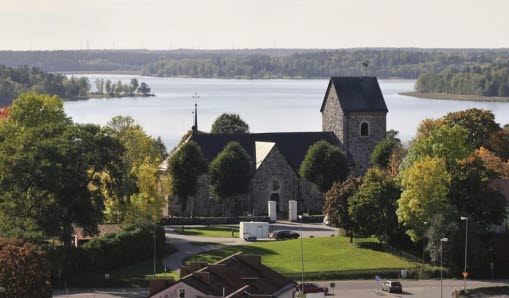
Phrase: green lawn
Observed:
(211, 231)
(320, 254)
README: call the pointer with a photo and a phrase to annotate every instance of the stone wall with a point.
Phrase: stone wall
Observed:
(333, 118)
(360, 147)
(274, 176)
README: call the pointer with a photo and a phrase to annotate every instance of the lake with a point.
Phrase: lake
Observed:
(266, 105)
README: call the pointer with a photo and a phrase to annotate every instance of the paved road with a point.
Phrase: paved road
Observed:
(103, 293)
(413, 288)
(186, 249)
(343, 289)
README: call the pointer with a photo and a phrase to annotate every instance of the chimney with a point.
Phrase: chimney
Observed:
(202, 276)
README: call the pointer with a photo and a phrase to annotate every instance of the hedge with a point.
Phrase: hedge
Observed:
(131, 244)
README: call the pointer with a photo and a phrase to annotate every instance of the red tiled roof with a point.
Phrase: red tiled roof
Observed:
(103, 230)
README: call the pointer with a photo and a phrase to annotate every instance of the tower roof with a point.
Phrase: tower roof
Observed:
(357, 94)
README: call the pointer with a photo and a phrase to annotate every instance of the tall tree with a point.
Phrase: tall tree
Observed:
(99, 85)
(133, 85)
(480, 125)
(47, 170)
(144, 89)
(323, 165)
(373, 207)
(425, 187)
(107, 87)
(336, 204)
(185, 165)
(388, 153)
(229, 173)
(229, 124)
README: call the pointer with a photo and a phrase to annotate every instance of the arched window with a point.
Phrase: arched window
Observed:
(364, 129)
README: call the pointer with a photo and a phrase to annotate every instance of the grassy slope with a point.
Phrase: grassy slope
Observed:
(449, 96)
(212, 231)
(320, 254)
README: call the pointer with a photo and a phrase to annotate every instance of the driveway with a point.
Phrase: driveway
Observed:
(186, 249)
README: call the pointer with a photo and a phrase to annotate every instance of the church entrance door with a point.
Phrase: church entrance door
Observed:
(275, 197)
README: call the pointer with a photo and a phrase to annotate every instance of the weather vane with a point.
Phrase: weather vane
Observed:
(366, 63)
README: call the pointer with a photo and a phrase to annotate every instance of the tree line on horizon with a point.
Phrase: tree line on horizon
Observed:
(489, 79)
(383, 63)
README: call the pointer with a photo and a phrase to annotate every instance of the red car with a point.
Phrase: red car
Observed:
(313, 288)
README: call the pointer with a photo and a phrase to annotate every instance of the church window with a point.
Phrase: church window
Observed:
(364, 129)
(275, 185)
(182, 293)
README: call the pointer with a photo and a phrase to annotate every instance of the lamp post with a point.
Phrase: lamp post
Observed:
(155, 249)
(423, 245)
(301, 257)
(466, 241)
(441, 264)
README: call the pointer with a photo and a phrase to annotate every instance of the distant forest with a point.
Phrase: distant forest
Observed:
(385, 63)
(14, 81)
(491, 79)
(258, 63)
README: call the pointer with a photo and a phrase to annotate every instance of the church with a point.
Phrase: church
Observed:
(353, 118)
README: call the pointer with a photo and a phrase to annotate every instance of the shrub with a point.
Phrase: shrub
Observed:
(132, 244)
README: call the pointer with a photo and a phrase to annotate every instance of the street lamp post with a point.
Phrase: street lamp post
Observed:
(441, 264)
(423, 245)
(466, 241)
(301, 257)
(155, 246)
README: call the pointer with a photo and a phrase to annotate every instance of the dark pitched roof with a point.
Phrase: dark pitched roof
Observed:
(293, 145)
(236, 275)
(357, 94)
(104, 229)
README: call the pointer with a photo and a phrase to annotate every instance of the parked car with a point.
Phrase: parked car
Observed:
(284, 234)
(392, 286)
(313, 288)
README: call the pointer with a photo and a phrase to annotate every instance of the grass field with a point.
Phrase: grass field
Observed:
(211, 231)
(320, 254)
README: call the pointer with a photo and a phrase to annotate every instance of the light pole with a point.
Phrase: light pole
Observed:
(423, 245)
(301, 257)
(466, 241)
(441, 265)
(155, 249)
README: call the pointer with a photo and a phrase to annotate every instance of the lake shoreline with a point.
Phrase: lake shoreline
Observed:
(456, 97)
(104, 96)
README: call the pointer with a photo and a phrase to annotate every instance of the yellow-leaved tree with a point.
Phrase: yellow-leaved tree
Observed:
(425, 185)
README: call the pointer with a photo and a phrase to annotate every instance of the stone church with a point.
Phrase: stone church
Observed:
(353, 118)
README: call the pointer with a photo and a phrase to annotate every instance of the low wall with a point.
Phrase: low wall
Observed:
(175, 221)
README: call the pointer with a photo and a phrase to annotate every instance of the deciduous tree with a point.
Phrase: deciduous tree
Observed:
(323, 165)
(229, 124)
(425, 187)
(229, 173)
(24, 271)
(373, 207)
(185, 165)
(336, 204)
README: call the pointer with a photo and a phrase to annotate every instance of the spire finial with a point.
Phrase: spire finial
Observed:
(195, 96)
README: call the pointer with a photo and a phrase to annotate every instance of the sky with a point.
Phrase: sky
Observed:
(227, 24)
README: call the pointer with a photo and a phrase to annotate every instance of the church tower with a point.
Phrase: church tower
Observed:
(354, 110)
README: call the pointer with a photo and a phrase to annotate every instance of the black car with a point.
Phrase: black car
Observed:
(281, 235)
(312, 288)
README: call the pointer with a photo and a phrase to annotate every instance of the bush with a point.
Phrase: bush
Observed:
(132, 244)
